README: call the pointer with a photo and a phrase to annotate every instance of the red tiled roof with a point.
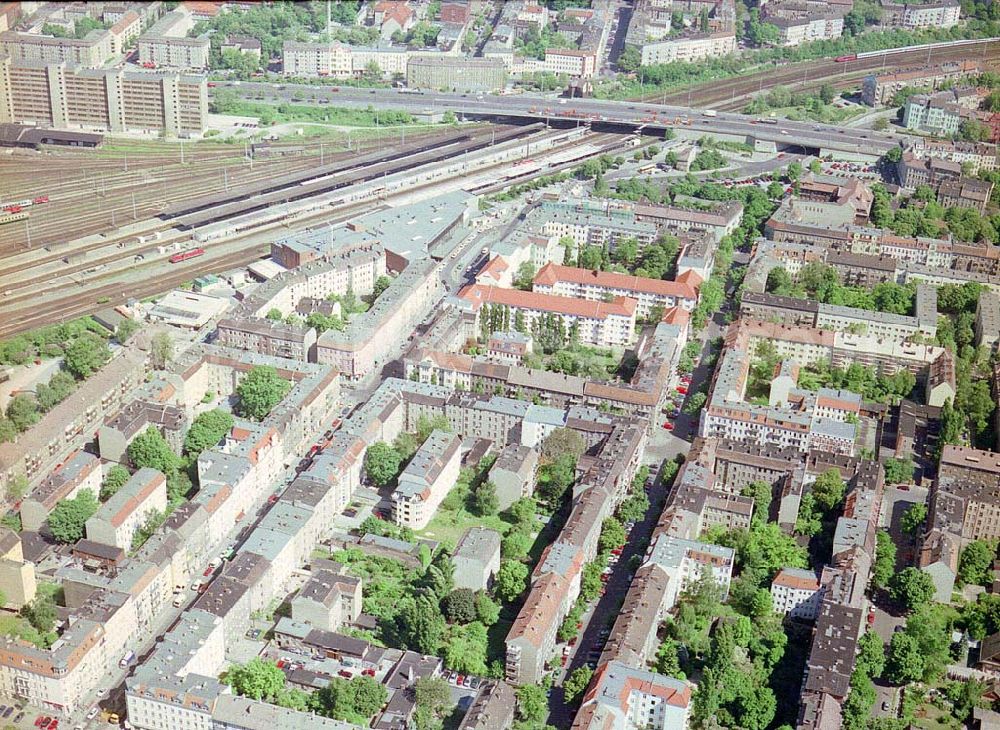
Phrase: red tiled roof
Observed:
(676, 315)
(479, 295)
(788, 580)
(552, 273)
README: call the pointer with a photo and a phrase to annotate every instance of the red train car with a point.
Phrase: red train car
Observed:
(842, 59)
(185, 255)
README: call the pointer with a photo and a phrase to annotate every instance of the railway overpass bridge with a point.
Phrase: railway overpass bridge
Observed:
(602, 115)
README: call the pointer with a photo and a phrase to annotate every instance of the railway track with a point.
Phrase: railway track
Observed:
(726, 94)
(43, 280)
(102, 196)
(163, 276)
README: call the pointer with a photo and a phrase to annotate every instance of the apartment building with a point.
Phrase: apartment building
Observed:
(913, 171)
(988, 320)
(571, 62)
(328, 599)
(476, 558)
(966, 192)
(979, 155)
(426, 480)
(568, 281)
(879, 89)
(61, 431)
(480, 75)
(799, 312)
(80, 470)
(166, 43)
(720, 221)
(267, 337)
(370, 338)
(942, 14)
(513, 474)
(91, 51)
(118, 520)
(316, 59)
(633, 698)
(531, 640)
(687, 561)
(17, 576)
(61, 96)
(798, 28)
(124, 31)
(941, 113)
(604, 324)
(689, 48)
(796, 592)
(118, 432)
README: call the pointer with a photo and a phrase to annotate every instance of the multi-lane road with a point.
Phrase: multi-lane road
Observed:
(599, 112)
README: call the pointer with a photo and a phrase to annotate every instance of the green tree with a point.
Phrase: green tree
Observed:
(912, 521)
(115, 479)
(483, 499)
(525, 276)
(629, 60)
(161, 350)
(516, 545)
(532, 705)
(898, 471)
(207, 430)
(828, 489)
(22, 411)
(612, 534)
(905, 662)
(466, 649)
(459, 606)
(381, 284)
(760, 492)
(871, 655)
(382, 463)
(911, 588)
(563, 441)
(423, 625)
(85, 354)
(432, 694)
(125, 329)
(369, 695)
(487, 610)
(67, 520)
(16, 488)
(260, 391)
(577, 682)
(55, 391)
(511, 580)
(975, 563)
(885, 559)
(150, 449)
(41, 613)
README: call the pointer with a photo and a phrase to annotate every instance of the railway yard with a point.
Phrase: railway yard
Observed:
(733, 93)
(221, 227)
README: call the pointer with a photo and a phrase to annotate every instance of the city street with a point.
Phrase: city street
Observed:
(598, 621)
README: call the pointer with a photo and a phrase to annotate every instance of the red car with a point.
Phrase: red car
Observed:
(668, 426)
(682, 390)
(345, 674)
(53, 724)
(617, 551)
(272, 499)
(38, 720)
(208, 571)
(368, 672)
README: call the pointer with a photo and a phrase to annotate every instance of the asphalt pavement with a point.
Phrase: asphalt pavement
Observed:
(540, 107)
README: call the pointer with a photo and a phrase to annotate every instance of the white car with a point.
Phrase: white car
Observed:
(92, 713)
